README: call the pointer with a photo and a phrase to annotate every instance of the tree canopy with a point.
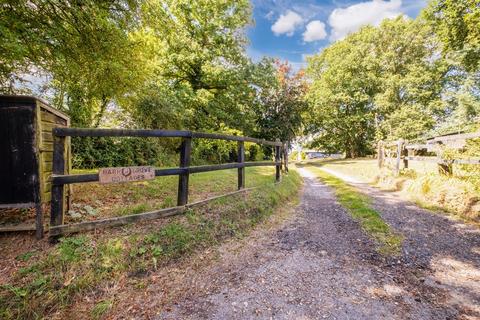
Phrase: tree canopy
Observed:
(180, 64)
(403, 79)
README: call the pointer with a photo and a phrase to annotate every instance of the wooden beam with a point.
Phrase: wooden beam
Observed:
(57, 201)
(426, 159)
(185, 150)
(399, 156)
(86, 132)
(18, 228)
(462, 136)
(278, 165)
(380, 154)
(93, 177)
(241, 160)
(416, 146)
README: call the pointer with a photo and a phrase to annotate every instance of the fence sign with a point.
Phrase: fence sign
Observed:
(125, 174)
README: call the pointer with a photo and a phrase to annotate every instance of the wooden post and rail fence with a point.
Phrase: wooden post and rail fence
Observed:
(60, 179)
(402, 152)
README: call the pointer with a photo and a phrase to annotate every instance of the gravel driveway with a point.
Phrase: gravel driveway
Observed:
(320, 265)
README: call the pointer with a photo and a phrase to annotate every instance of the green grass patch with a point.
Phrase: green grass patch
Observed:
(94, 200)
(50, 281)
(455, 195)
(359, 206)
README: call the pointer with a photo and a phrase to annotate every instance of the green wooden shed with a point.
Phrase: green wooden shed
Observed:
(26, 148)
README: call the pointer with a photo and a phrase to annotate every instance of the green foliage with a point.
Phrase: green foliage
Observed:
(89, 48)
(456, 24)
(341, 96)
(381, 82)
(280, 104)
(201, 79)
(90, 153)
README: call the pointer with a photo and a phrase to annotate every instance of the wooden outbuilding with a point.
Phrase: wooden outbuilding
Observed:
(26, 153)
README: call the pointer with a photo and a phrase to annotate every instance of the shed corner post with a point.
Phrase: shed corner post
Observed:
(185, 151)
(241, 160)
(39, 218)
(58, 190)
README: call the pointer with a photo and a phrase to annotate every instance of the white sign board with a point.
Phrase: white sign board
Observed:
(125, 174)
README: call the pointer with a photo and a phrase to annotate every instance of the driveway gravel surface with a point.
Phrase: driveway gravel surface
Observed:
(319, 264)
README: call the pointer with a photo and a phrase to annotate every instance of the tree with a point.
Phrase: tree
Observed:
(456, 22)
(202, 58)
(89, 48)
(411, 77)
(280, 105)
(456, 25)
(341, 96)
(379, 83)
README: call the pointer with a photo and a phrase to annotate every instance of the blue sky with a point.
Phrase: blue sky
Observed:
(291, 30)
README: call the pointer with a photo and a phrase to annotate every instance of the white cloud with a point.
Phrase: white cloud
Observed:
(315, 31)
(287, 23)
(350, 19)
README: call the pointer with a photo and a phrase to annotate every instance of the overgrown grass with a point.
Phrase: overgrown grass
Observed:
(93, 200)
(358, 205)
(50, 282)
(458, 195)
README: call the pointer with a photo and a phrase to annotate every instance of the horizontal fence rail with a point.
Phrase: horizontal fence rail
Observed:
(402, 151)
(83, 132)
(60, 179)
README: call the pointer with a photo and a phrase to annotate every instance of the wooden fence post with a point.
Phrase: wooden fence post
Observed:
(380, 154)
(58, 168)
(285, 156)
(399, 156)
(241, 159)
(277, 159)
(444, 167)
(185, 150)
(405, 155)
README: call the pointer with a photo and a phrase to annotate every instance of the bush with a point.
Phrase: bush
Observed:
(89, 153)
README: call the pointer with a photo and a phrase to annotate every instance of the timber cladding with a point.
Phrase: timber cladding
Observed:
(26, 149)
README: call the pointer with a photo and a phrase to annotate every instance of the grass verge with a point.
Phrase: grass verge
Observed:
(358, 205)
(48, 283)
(457, 195)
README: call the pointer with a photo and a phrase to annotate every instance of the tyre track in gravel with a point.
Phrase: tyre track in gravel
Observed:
(317, 265)
(442, 251)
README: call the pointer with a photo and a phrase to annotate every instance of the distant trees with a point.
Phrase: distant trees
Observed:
(280, 105)
(401, 79)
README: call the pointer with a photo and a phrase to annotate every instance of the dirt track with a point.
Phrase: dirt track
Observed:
(319, 264)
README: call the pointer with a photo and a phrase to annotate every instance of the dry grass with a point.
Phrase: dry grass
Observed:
(93, 200)
(420, 183)
(48, 281)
